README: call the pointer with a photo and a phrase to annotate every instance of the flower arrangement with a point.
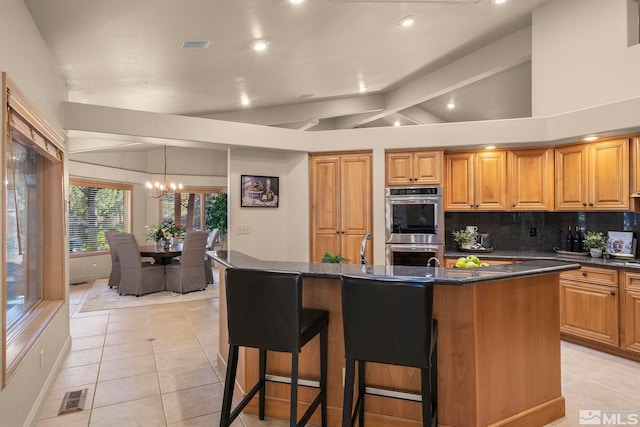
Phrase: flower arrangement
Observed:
(594, 240)
(164, 231)
(464, 237)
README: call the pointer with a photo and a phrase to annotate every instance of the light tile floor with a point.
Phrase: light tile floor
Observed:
(155, 366)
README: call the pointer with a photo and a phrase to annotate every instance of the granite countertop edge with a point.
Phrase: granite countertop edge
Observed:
(435, 275)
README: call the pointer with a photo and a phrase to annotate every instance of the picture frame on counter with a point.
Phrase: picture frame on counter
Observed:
(258, 191)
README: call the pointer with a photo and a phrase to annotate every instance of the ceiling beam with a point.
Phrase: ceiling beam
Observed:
(510, 51)
(291, 113)
(420, 116)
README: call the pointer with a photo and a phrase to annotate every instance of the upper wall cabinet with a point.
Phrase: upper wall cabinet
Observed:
(414, 168)
(531, 179)
(593, 176)
(476, 181)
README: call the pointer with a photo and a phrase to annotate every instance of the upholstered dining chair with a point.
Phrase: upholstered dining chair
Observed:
(189, 275)
(136, 278)
(114, 277)
(211, 241)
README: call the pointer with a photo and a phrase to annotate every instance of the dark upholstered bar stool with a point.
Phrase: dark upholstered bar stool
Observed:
(388, 322)
(265, 311)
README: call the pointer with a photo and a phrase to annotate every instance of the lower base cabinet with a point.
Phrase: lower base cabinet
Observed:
(631, 312)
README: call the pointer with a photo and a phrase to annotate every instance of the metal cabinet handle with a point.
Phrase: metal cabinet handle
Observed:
(613, 293)
(590, 204)
(584, 274)
(584, 204)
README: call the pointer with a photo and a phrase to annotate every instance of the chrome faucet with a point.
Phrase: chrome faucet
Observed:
(436, 262)
(363, 247)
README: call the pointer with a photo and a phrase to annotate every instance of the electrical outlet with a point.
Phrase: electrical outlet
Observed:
(244, 229)
(533, 232)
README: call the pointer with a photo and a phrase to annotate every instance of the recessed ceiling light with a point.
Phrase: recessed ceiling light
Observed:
(195, 44)
(499, 1)
(490, 147)
(245, 100)
(362, 88)
(295, 1)
(590, 138)
(396, 123)
(259, 45)
(451, 105)
(407, 21)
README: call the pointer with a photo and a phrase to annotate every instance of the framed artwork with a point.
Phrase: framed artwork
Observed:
(259, 191)
(620, 243)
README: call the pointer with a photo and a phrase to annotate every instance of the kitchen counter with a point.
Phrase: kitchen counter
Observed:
(436, 275)
(610, 262)
(498, 344)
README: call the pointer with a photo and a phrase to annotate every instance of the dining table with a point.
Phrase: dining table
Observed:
(160, 254)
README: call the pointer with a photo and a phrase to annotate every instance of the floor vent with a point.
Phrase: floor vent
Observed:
(73, 401)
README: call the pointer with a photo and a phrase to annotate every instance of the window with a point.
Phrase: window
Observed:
(187, 209)
(95, 208)
(32, 248)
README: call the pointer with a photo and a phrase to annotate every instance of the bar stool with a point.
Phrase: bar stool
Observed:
(264, 311)
(391, 322)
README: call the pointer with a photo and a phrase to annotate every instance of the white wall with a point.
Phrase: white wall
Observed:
(28, 63)
(581, 57)
(279, 234)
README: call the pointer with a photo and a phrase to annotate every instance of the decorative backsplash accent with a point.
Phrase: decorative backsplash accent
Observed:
(510, 230)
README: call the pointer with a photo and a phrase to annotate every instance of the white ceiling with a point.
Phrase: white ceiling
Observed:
(127, 54)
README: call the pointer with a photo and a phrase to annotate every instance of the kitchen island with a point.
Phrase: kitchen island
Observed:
(498, 344)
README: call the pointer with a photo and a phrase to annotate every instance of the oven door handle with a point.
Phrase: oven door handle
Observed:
(414, 248)
(413, 201)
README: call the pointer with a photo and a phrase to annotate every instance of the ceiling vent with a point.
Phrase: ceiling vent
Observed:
(195, 44)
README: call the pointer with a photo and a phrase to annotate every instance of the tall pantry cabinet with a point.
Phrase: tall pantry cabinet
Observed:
(341, 205)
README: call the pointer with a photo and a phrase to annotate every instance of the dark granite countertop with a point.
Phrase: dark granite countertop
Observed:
(436, 275)
(532, 255)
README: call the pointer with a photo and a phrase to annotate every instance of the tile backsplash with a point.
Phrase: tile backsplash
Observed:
(511, 230)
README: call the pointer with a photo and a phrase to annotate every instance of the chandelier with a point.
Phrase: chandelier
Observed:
(157, 189)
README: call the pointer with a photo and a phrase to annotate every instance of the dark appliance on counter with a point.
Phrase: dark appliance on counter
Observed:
(414, 219)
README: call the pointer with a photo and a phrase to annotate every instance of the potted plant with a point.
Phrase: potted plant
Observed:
(164, 233)
(595, 242)
(216, 215)
(334, 258)
(464, 238)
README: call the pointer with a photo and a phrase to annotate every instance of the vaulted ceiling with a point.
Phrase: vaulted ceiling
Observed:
(129, 54)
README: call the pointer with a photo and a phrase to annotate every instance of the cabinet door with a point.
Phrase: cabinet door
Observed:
(531, 185)
(609, 175)
(459, 183)
(571, 178)
(427, 167)
(399, 168)
(355, 202)
(491, 181)
(325, 206)
(631, 313)
(589, 311)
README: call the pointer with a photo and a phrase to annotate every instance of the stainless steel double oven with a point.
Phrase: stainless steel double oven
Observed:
(414, 218)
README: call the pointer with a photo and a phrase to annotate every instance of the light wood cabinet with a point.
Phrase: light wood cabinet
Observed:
(593, 176)
(406, 168)
(476, 181)
(531, 186)
(589, 304)
(340, 205)
(631, 313)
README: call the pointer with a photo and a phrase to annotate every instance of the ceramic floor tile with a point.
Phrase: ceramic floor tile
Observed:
(137, 413)
(125, 351)
(193, 402)
(123, 368)
(83, 357)
(76, 376)
(76, 419)
(79, 331)
(90, 314)
(54, 400)
(125, 337)
(136, 323)
(85, 343)
(186, 377)
(102, 319)
(126, 390)
(206, 421)
(177, 358)
(175, 343)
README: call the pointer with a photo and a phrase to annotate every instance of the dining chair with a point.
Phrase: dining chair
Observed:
(211, 241)
(114, 276)
(136, 278)
(189, 275)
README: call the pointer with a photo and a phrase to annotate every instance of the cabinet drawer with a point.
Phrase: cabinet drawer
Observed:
(600, 276)
(632, 281)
